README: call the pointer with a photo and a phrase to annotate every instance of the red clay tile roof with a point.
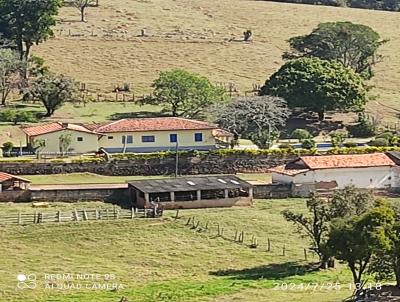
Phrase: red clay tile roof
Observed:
(153, 124)
(53, 127)
(307, 163)
(283, 170)
(347, 161)
(5, 176)
(221, 133)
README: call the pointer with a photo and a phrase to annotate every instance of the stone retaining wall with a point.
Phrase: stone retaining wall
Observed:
(188, 165)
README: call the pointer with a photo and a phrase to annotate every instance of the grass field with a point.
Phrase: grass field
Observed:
(194, 35)
(91, 178)
(164, 260)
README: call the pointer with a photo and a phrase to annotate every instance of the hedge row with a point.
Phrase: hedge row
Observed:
(219, 152)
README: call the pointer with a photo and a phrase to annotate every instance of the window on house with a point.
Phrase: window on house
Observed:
(79, 139)
(173, 138)
(111, 137)
(198, 137)
(128, 139)
(148, 139)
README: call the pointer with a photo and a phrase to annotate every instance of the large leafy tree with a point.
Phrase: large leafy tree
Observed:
(315, 224)
(317, 85)
(10, 73)
(184, 94)
(357, 239)
(353, 45)
(254, 117)
(53, 91)
(27, 22)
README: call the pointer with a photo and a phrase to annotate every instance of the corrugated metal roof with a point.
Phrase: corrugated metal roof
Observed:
(185, 184)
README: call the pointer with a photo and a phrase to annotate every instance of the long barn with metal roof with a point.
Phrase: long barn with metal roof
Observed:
(192, 192)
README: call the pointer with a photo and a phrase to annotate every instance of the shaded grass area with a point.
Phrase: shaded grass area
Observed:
(164, 260)
(91, 178)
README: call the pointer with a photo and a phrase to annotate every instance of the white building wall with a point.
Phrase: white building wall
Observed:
(371, 177)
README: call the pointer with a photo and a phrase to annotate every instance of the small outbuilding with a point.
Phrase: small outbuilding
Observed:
(192, 192)
(329, 172)
(10, 182)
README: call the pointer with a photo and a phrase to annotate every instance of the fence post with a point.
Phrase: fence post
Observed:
(188, 221)
(206, 226)
(305, 254)
(35, 217)
(58, 216)
(218, 229)
(269, 245)
(97, 214)
(107, 213)
(236, 233)
(132, 213)
(85, 217)
(19, 218)
(76, 215)
(177, 214)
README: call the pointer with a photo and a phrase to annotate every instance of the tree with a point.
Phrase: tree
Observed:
(53, 91)
(10, 73)
(353, 45)
(82, 5)
(64, 141)
(355, 240)
(317, 85)
(27, 22)
(254, 117)
(315, 226)
(184, 94)
(345, 203)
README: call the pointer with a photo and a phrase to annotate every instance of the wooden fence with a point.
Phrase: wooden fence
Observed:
(216, 230)
(74, 215)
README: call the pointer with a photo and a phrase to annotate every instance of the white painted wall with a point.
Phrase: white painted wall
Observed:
(371, 177)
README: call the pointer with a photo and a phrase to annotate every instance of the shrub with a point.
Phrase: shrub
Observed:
(386, 135)
(337, 138)
(364, 128)
(300, 134)
(350, 144)
(14, 116)
(286, 146)
(308, 144)
(379, 142)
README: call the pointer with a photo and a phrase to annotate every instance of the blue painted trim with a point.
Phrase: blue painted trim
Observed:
(157, 149)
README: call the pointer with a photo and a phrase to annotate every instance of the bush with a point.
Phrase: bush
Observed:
(286, 146)
(7, 147)
(300, 134)
(350, 144)
(386, 135)
(14, 116)
(379, 142)
(308, 144)
(365, 128)
(337, 138)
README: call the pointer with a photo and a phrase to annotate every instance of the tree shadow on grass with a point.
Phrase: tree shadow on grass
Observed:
(274, 271)
(137, 114)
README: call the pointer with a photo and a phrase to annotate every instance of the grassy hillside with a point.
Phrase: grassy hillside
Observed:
(163, 260)
(194, 35)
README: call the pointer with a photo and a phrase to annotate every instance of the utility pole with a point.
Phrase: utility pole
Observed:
(176, 158)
